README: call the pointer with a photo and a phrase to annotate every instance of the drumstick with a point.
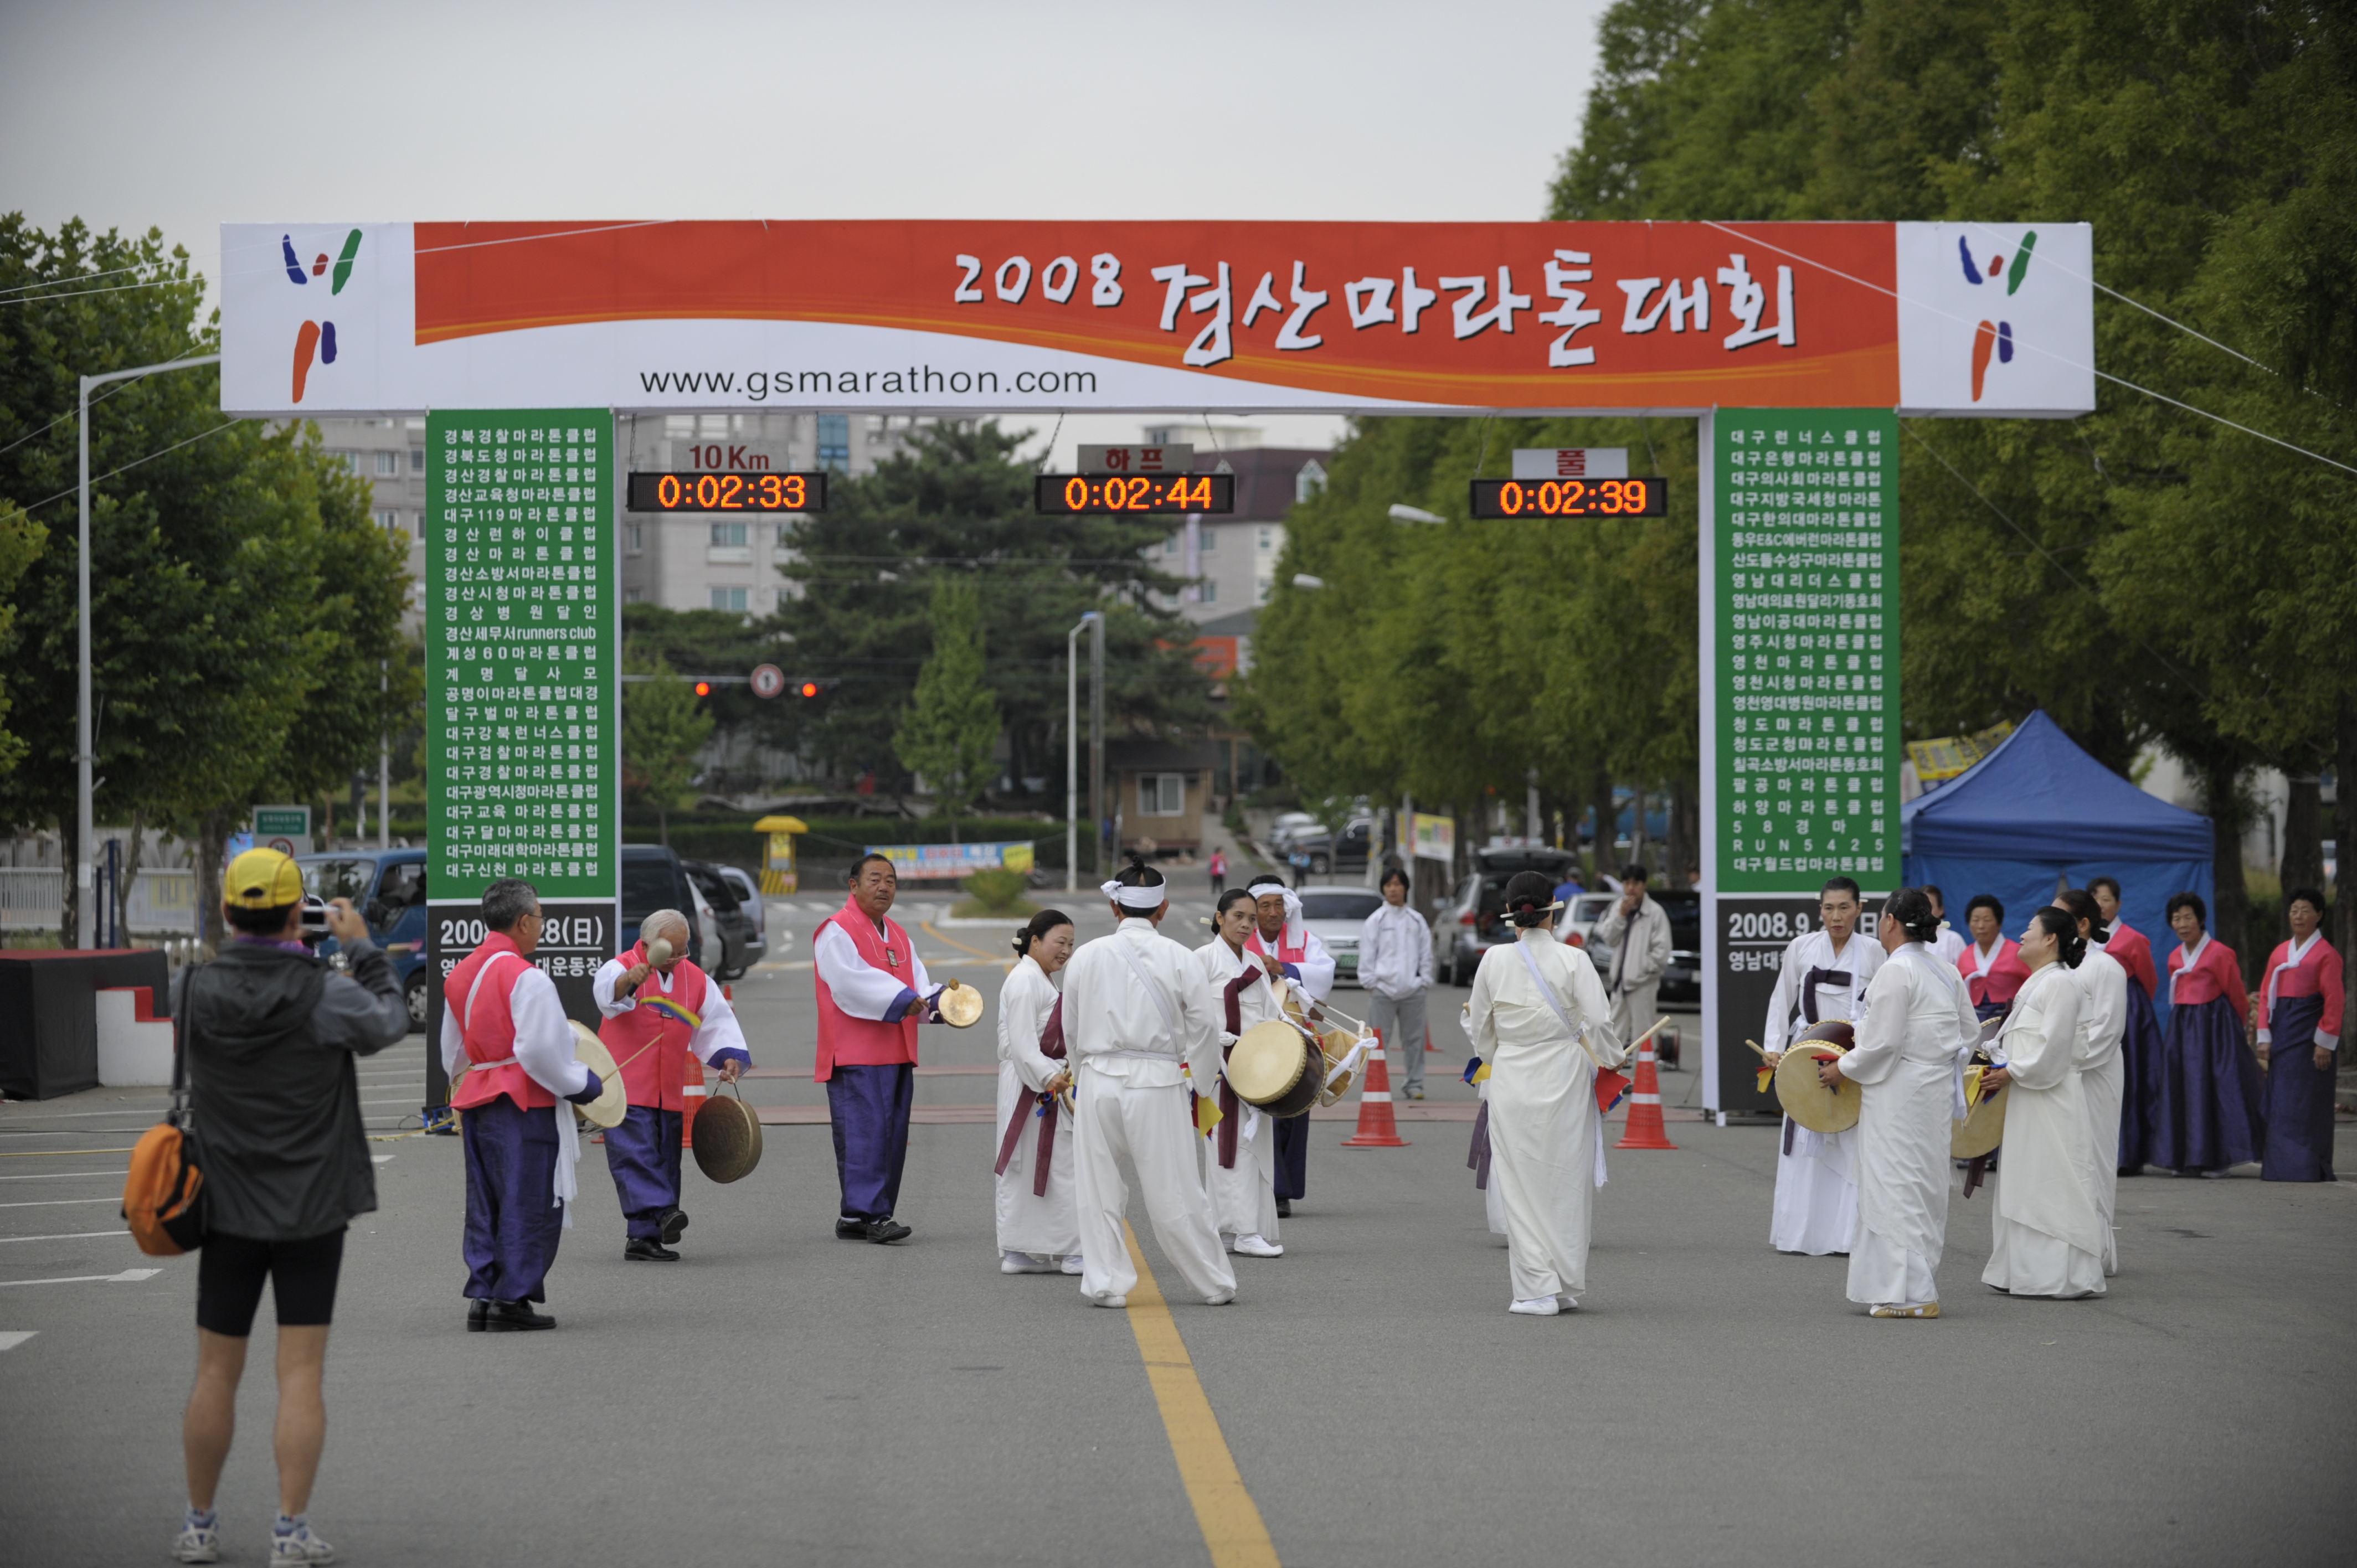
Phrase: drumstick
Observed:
(1642, 1038)
(1756, 1049)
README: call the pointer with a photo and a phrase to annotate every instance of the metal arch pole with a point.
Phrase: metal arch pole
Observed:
(1073, 752)
(1096, 738)
(85, 807)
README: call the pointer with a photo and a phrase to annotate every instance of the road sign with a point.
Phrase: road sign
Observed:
(282, 821)
(769, 680)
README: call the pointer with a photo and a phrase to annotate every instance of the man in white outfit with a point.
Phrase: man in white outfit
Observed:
(1136, 1025)
(1637, 930)
(1911, 1045)
(1396, 967)
(1824, 976)
(1240, 1168)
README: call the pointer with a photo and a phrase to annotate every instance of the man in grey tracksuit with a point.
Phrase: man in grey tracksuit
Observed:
(1395, 967)
(1637, 930)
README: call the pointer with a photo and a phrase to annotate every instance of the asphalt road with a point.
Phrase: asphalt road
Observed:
(782, 1397)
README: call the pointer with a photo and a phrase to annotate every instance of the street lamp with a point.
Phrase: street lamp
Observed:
(1415, 514)
(85, 809)
(1072, 740)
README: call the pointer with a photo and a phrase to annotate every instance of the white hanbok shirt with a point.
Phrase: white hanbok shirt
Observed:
(858, 987)
(1114, 1025)
(1024, 1003)
(1814, 949)
(720, 1030)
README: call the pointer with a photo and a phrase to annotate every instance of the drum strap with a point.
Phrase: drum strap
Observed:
(1043, 1106)
(1231, 1109)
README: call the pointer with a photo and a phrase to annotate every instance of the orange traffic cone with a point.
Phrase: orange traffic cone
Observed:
(1645, 1130)
(692, 1101)
(1378, 1128)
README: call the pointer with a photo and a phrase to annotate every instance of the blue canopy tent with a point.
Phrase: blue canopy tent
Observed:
(2039, 810)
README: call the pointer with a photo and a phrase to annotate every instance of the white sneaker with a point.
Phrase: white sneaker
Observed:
(1537, 1306)
(1110, 1300)
(1255, 1247)
(1220, 1298)
(1024, 1264)
(299, 1545)
(197, 1543)
(1072, 1263)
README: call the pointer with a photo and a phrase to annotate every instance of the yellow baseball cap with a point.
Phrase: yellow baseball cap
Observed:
(262, 879)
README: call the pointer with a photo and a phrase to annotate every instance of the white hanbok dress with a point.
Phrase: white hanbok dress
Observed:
(1816, 1195)
(2046, 1231)
(2102, 1078)
(1913, 1040)
(1545, 1136)
(1244, 1196)
(1043, 1224)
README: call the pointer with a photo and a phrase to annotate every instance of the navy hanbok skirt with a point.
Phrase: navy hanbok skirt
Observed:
(2206, 1116)
(2298, 1099)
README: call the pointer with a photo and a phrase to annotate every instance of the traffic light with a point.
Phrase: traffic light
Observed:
(814, 688)
(704, 688)
(810, 688)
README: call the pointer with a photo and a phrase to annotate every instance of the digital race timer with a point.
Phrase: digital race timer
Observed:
(1065, 495)
(729, 492)
(1571, 498)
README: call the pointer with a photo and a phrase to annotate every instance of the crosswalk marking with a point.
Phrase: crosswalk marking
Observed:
(12, 1338)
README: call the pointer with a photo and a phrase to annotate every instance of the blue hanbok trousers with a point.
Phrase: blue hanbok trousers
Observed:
(2299, 1096)
(1292, 1157)
(513, 1220)
(869, 1109)
(642, 1154)
(2206, 1116)
(2141, 1050)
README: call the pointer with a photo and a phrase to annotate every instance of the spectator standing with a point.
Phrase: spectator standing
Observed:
(1638, 931)
(1567, 890)
(1396, 967)
(271, 1030)
(1219, 874)
(2299, 1005)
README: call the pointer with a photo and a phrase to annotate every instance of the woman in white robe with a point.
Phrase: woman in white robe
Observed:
(1917, 1030)
(2046, 1230)
(2103, 1069)
(1540, 1020)
(1244, 1195)
(1035, 1229)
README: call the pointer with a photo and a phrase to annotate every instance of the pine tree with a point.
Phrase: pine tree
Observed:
(949, 732)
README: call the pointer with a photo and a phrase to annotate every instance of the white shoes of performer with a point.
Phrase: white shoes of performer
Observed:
(1072, 1263)
(1907, 1309)
(1110, 1300)
(1026, 1263)
(1544, 1305)
(1219, 1298)
(1255, 1247)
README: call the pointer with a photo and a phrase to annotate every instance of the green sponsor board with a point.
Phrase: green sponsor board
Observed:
(1805, 606)
(523, 652)
(282, 821)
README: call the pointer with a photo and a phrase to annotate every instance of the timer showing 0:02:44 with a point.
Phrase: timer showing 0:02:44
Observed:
(729, 492)
(1570, 498)
(1066, 495)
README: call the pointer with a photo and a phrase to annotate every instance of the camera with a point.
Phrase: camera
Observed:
(314, 920)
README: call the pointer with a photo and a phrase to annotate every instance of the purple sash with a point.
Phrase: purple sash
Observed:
(1043, 1106)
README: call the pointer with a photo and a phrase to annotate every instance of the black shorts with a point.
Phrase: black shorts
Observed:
(302, 1274)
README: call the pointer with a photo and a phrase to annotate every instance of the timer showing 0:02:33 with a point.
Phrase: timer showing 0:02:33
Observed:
(1570, 498)
(729, 492)
(1066, 495)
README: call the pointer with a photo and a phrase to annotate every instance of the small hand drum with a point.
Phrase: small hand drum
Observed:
(1809, 1102)
(727, 1136)
(1275, 1066)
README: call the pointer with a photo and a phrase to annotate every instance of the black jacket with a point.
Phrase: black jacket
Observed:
(271, 1035)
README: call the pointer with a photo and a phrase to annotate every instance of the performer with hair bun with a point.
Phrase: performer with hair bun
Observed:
(2046, 1229)
(1037, 1230)
(1540, 1019)
(2103, 1016)
(2299, 1036)
(1284, 945)
(1917, 1032)
(1241, 1173)
(2206, 1107)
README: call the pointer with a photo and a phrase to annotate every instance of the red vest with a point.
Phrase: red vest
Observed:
(2006, 973)
(1292, 955)
(648, 1045)
(488, 1029)
(866, 1042)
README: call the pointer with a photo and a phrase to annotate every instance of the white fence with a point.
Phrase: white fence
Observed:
(162, 903)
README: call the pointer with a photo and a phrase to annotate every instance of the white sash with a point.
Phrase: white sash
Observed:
(1579, 1033)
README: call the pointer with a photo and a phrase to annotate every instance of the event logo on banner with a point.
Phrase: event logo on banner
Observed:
(1805, 549)
(947, 862)
(1101, 315)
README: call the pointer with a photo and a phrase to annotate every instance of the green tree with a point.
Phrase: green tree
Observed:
(663, 727)
(722, 642)
(958, 506)
(21, 539)
(951, 727)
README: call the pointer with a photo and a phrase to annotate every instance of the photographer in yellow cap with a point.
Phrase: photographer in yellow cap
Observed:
(270, 1030)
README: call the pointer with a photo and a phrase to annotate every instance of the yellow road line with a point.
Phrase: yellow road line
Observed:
(952, 941)
(1224, 1510)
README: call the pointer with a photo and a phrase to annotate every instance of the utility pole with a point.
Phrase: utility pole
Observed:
(85, 809)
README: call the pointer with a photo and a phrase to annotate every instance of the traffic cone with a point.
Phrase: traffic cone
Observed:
(1378, 1128)
(692, 1101)
(1645, 1130)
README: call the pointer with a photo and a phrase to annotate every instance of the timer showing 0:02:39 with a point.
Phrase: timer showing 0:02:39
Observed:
(1065, 495)
(1570, 498)
(729, 492)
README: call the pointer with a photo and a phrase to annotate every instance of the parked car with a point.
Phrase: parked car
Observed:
(1474, 920)
(734, 946)
(1682, 981)
(756, 910)
(653, 879)
(1285, 825)
(388, 888)
(1327, 852)
(1337, 915)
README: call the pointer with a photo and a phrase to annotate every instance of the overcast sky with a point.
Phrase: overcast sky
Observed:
(184, 116)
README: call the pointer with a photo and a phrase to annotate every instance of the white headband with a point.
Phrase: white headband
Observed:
(1144, 899)
(1270, 882)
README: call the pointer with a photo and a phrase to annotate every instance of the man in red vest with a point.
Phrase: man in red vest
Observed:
(505, 1031)
(872, 993)
(655, 1013)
